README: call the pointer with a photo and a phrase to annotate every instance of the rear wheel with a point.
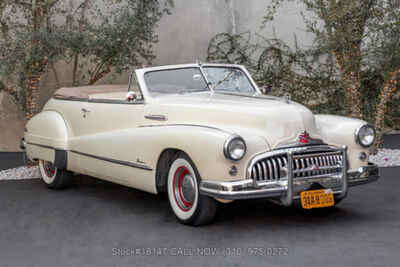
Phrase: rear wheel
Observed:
(183, 192)
(53, 177)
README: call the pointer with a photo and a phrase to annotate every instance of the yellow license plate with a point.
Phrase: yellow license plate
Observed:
(317, 199)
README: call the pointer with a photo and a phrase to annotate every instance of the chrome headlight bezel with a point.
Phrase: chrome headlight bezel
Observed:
(358, 136)
(230, 142)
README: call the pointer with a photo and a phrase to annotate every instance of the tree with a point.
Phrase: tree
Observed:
(25, 28)
(360, 36)
(121, 37)
(356, 45)
(95, 36)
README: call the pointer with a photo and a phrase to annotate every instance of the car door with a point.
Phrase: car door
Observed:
(106, 149)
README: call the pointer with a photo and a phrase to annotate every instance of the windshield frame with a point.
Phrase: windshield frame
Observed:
(140, 73)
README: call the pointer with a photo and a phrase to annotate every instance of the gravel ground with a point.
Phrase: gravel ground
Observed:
(384, 158)
(20, 173)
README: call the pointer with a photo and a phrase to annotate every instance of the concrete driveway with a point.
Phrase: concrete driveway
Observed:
(95, 223)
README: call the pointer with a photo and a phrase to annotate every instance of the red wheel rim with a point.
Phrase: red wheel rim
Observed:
(179, 175)
(49, 168)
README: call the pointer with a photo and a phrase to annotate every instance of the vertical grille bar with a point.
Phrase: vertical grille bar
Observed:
(265, 170)
(275, 170)
(260, 174)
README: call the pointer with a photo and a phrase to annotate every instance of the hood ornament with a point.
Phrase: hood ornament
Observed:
(304, 137)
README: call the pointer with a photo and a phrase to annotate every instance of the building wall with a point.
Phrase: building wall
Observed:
(184, 36)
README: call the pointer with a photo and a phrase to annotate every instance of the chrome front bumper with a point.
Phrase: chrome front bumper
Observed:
(289, 189)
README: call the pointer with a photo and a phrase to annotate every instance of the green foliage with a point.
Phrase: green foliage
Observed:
(274, 64)
(123, 35)
(95, 36)
(356, 43)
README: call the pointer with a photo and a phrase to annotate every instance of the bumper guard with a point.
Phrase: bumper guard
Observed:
(288, 190)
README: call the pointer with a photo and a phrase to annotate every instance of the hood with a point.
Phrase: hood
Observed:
(277, 121)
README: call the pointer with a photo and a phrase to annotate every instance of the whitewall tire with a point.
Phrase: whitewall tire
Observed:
(183, 193)
(53, 177)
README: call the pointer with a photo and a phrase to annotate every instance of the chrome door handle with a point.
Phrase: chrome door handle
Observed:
(85, 111)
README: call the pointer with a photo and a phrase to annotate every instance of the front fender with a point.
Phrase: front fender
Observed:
(204, 145)
(339, 131)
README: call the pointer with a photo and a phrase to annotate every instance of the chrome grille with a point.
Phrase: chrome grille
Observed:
(306, 165)
(270, 169)
(317, 164)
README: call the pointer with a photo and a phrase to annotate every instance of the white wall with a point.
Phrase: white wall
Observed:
(184, 36)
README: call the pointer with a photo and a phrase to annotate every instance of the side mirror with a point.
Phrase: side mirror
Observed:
(266, 89)
(131, 96)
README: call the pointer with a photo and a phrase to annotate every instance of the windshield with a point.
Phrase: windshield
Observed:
(192, 80)
(175, 81)
(228, 79)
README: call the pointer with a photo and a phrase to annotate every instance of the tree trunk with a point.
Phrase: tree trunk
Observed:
(37, 66)
(353, 94)
(32, 95)
(387, 91)
(351, 76)
(84, 7)
(99, 75)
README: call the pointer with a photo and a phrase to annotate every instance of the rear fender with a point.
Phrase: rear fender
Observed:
(46, 137)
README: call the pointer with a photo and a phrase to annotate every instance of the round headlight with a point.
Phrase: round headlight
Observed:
(365, 135)
(235, 148)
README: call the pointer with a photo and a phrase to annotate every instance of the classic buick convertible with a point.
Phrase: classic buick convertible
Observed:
(203, 134)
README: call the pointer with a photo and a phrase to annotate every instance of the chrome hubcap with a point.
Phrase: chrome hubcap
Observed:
(184, 188)
(188, 188)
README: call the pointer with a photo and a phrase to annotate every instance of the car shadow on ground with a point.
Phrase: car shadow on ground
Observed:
(254, 212)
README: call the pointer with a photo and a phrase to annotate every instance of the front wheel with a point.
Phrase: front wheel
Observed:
(183, 192)
(53, 177)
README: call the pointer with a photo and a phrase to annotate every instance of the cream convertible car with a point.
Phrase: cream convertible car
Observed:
(203, 133)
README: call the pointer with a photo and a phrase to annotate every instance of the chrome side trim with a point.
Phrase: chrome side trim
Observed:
(115, 101)
(156, 117)
(102, 101)
(187, 125)
(115, 161)
(71, 98)
(39, 145)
